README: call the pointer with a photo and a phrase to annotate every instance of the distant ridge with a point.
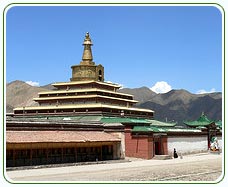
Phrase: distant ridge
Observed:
(142, 94)
(48, 87)
(176, 105)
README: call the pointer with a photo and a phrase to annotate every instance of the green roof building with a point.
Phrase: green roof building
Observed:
(205, 124)
(202, 121)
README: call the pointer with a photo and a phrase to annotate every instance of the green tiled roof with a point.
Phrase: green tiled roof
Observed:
(201, 127)
(98, 118)
(219, 124)
(161, 124)
(201, 121)
(162, 129)
(58, 118)
(148, 129)
(183, 130)
(136, 120)
(91, 118)
(76, 118)
(123, 120)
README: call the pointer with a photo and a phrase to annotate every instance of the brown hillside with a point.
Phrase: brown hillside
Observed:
(19, 93)
(142, 94)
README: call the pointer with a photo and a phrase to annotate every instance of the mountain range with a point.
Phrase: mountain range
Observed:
(175, 105)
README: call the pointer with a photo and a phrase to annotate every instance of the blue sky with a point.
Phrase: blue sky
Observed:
(177, 47)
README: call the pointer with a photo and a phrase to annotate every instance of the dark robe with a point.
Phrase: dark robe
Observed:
(175, 154)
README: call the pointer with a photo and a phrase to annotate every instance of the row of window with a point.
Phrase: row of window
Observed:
(89, 101)
(78, 87)
(87, 93)
(62, 111)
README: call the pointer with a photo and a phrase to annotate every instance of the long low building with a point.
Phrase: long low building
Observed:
(62, 139)
(51, 147)
(39, 140)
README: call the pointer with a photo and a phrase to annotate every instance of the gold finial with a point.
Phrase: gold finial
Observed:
(87, 40)
(87, 56)
(87, 35)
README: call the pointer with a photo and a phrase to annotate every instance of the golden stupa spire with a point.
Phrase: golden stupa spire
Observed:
(87, 69)
(87, 57)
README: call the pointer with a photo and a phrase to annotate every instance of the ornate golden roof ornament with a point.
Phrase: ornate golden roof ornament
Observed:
(87, 57)
(87, 70)
(87, 40)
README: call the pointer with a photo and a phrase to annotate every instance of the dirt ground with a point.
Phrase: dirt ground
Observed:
(199, 167)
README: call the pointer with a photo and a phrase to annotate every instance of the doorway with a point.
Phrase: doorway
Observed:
(158, 148)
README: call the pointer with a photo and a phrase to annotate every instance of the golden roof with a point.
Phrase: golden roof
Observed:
(85, 82)
(82, 96)
(82, 90)
(72, 106)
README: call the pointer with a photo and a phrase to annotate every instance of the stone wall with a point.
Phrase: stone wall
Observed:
(187, 144)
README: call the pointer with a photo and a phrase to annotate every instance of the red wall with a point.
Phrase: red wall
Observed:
(164, 145)
(138, 146)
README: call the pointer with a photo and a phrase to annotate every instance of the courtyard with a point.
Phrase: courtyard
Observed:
(202, 167)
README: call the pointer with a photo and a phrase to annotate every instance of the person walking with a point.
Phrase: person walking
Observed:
(175, 155)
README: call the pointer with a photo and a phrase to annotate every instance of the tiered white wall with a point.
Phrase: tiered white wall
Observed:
(187, 145)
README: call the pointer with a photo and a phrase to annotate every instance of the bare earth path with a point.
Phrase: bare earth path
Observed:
(202, 167)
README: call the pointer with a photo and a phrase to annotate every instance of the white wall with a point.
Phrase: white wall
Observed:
(220, 142)
(187, 145)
